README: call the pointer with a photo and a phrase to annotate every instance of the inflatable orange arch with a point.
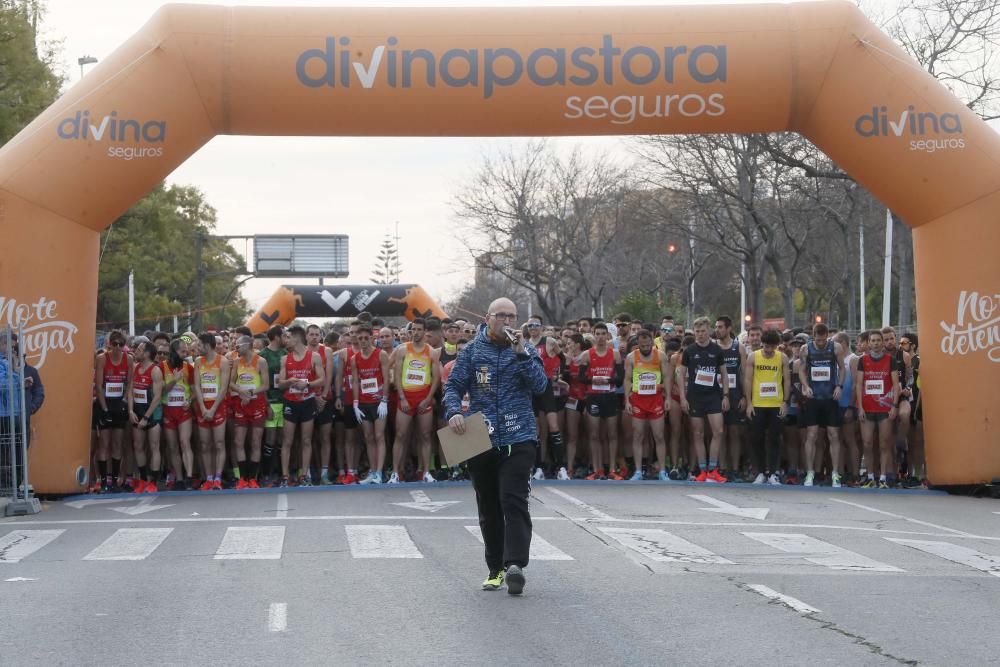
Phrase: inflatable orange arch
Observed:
(820, 69)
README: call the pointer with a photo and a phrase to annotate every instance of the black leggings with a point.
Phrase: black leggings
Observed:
(766, 420)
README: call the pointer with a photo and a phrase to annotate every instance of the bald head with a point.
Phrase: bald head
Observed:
(502, 305)
(502, 313)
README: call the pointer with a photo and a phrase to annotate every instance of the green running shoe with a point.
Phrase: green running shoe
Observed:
(494, 581)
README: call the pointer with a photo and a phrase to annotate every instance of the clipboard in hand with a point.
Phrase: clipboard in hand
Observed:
(459, 448)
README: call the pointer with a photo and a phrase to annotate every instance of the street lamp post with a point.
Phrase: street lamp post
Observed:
(85, 60)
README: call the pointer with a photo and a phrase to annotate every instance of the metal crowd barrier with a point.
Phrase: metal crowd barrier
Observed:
(16, 494)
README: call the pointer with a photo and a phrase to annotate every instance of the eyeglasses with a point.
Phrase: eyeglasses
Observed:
(116, 343)
(904, 343)
(510, 317)
(162, 353)
(534, 325)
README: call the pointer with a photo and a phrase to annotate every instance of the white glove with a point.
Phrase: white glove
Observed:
(383, 410)
(357, 413)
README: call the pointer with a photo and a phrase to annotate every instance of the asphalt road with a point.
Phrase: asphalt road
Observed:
(621, 573)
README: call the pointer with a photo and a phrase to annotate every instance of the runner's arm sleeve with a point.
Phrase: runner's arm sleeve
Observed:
(459, 382)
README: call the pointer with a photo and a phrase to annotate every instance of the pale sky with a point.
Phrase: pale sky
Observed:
(354, 186)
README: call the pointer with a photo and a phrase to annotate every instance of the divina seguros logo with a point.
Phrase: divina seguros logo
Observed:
(927, 131)
(491, 69)
(124, 134)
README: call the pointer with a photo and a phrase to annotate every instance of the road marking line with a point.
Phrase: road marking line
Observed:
(282, 506)
(787, 600)
(579, 503)
(540, 549)
(722, 507)
(251, 543)
(955, 553)
(659, 545)
(821, 553)
(20, 544)
(130, 544)
(904, 518)
(381, 542)
(277, 617)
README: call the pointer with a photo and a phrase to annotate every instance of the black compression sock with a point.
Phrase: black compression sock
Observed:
(116, 467)
(556, 449)
(144, 473)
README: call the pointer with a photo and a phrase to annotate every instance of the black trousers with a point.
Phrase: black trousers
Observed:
(500, 478)
(766, 421)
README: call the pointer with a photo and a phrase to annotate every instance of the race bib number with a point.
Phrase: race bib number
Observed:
(874, 387)
(369, 385)
(140, 395)
(768, 389)
(704, 378)
(820, 373)
(571, 404)
(209, 390)
(647, 384)
(601, 383)
(297, 388)
(246, 386)
(731, 381)
(114, 389)
(176, 398)
(416, 377)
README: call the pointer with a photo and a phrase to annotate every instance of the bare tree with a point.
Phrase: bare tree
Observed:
(548, 224)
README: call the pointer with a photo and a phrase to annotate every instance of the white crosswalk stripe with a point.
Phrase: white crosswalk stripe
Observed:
(251, 543)
(381, 542)
(659, 545)
(540, 549)
(130, 544)
(821, 553)
(955, 553)
(20, 544)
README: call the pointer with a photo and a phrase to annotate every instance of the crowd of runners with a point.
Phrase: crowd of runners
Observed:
(626, 400)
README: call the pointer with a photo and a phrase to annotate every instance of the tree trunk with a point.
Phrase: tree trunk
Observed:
(904, 254)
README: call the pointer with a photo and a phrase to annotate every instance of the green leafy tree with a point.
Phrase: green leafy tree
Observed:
(156, 239)
(28, 80)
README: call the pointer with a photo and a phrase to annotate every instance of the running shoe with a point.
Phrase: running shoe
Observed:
(539, 475)
(304, 480)
(580, 473)
(882, 484)
(393, 478)
(714, 476)
(810, 478)
(252, 484)
(369, 479)
(664, 476)
(206, 486)
(615, 475)
(597, 474)
(759, 479)
(150, 488)
(792, 479)
(562, 475)
(674, 474)
(702, 476)
(774, 480)
(869, 483)
(835, 480)
(457, 474)
(636, 476)
(325, 480)
(494, 581)
(515, 580)
(242, 484)
(912, 483)
(378, 476)
(429, 478)
(340, 478)
(350, 478)
(217, 485)
(283, 484)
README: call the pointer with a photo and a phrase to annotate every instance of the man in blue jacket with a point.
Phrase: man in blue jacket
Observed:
(500, 378)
